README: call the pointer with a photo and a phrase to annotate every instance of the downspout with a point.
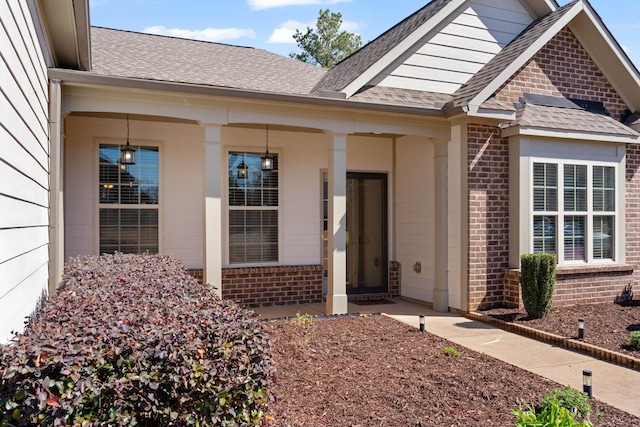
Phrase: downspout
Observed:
(56, 192)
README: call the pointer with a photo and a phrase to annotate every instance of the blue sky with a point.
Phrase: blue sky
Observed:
(269, 24)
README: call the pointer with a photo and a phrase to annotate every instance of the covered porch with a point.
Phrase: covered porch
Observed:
(290, 235)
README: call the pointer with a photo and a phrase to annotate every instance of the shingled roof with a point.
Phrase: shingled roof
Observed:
(508, 55)
(570, 119)
(353, 66)
(144, 56)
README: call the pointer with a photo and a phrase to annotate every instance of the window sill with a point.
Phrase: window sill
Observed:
(593, 269)
(574, 270)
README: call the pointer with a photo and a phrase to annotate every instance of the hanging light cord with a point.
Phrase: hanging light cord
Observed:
(127, 129)
(267, 139)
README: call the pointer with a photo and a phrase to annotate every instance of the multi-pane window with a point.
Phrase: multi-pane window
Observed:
(574, 211)
(128, 201)
(253, 209)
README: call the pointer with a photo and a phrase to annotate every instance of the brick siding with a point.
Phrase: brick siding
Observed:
(563, 68)
(576, 285)
(488, 182)
(265, 286)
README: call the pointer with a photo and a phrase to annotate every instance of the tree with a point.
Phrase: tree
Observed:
(326, 45)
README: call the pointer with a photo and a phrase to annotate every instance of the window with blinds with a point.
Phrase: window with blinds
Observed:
(253, 209)
(587, 223)
(128, 201)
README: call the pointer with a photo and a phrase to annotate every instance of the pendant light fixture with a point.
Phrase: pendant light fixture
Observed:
(242, 170)
(266, 159)
(127, 153)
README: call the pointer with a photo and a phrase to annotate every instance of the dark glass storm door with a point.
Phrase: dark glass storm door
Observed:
(367, 264)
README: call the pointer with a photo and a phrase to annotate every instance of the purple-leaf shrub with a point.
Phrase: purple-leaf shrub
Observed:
(133, 340)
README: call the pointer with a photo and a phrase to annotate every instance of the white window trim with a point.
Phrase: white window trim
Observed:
(225, 206)
(96, 181)
(590, 213)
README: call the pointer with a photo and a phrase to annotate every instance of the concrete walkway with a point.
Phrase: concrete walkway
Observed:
(612, 384)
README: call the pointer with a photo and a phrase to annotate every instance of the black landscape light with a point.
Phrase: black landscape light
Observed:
(422, 323)
(587, 383)
(581, 329)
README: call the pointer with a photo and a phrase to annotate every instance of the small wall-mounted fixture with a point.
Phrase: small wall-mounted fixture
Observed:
(127, 153)
(417, 267)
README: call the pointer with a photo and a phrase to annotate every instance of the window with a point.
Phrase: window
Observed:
(574, 211)
(253, 209)
(128, 201)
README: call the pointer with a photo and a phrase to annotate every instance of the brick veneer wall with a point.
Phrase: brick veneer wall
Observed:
(563, 68)
(281, 285)
(265, 286)
(577, 285)
(488, 182)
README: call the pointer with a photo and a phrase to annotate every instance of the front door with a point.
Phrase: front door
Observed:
(366, 233)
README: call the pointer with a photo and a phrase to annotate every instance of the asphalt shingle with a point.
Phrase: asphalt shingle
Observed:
(151, 57)
(402, 97)
(571, 119)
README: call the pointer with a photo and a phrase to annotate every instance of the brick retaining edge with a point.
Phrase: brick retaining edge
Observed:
(568, 343)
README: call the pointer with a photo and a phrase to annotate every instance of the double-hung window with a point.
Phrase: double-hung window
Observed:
(574, 209)
(128, 201)
(253, 209)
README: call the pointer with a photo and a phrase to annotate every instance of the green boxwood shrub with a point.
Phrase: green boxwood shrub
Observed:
(568, 397)
(537, 280)
(133, 340)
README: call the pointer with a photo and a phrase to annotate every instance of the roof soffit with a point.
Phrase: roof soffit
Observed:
(540, 7)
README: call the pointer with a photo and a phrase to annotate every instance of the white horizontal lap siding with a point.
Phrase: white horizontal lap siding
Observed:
(448, 59)
(415, 216)
(24, 160)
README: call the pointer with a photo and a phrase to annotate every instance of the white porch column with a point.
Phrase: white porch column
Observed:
(56, 189)
(441, 289)
(213, 207)
(337, 245)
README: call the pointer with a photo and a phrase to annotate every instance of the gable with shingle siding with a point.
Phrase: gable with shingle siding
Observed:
(563, 68)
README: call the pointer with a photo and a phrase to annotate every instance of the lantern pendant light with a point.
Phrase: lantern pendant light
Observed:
(242, 170)
(266, 159)
(127, 153)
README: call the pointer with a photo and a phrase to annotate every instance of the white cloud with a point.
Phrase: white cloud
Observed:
(208, 34)
(284, 33)
(270, 4)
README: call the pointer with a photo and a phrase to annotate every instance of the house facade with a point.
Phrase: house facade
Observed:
(422, 166)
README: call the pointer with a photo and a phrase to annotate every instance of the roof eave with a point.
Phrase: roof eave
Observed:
(569, 134)
(68, 32)
(78, 77)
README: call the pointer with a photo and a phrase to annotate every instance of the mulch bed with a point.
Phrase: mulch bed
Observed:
(375, 371)
(606, 325)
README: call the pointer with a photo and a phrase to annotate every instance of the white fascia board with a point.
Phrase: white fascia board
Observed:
(509, 71)
(493, 114)
(569, 134)
(616, 62)
(401, 48)
(540, 7)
